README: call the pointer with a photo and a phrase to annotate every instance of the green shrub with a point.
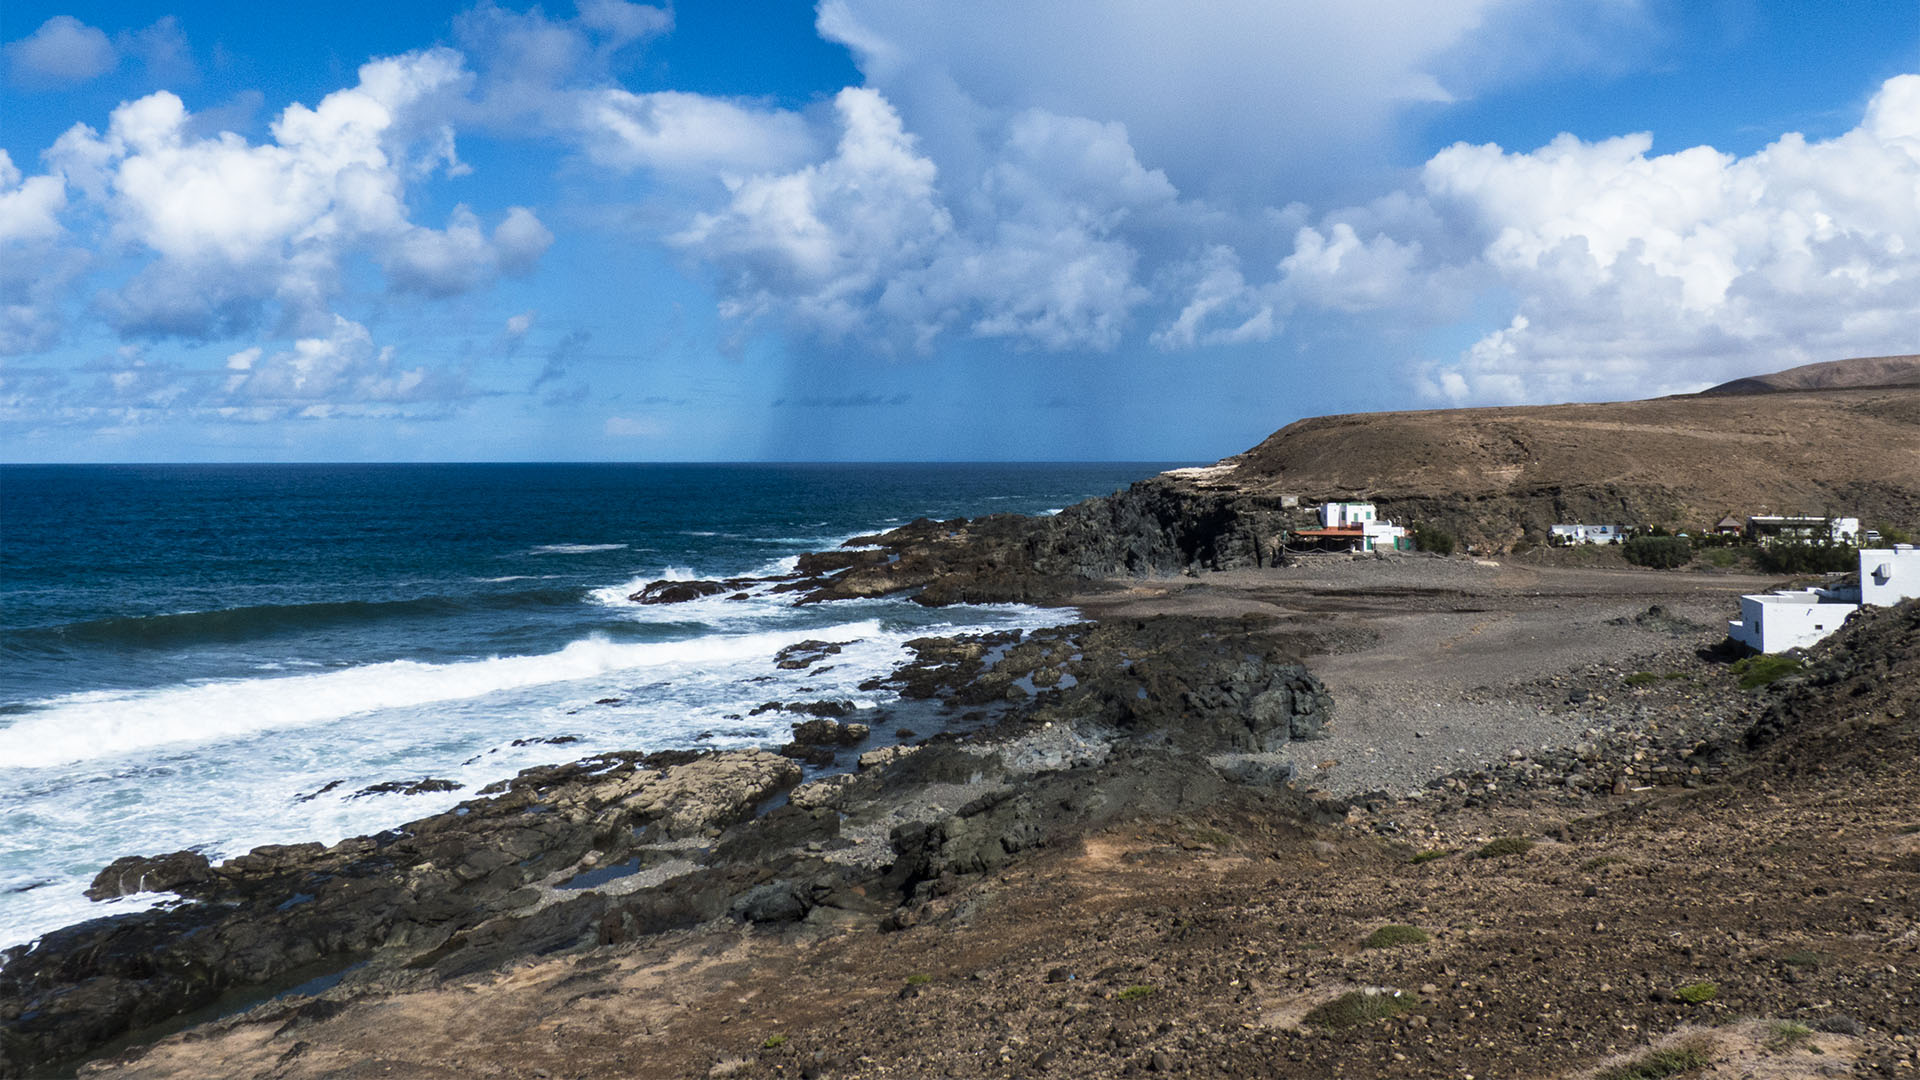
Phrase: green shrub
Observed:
(1785, 1034)
(1503, 846)
(1429, 855)
(1765, 669)
(1658, 552)
(1394, 934)
(1803, 558)
(1134, 993)
(1429, 538)
(774, 1042)
(920, 979)
(1358, 1007)
(1697, 993)
(1642, 678)
(1658, 1065)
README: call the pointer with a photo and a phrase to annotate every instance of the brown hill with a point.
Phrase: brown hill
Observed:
(1495, 475)
(1831, 375)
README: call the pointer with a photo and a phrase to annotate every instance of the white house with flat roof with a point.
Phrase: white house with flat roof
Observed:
(1356, 526)
(1795, 619)
(1587, 534)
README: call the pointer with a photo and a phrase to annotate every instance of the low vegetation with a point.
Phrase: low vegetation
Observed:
(1429, 855)
(1698, 993)
(1755, 672)
(1395, 934)
(1428, 538)
(919, 979)
(1504, 846)
(1659, 1064)
(1358, 1007)
(1135, 993)
(1785, 1035)
(1658, 552)
(1802, 558)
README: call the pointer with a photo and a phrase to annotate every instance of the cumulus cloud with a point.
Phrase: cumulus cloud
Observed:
(1233, 99)
(555, 77)
(341, 372)
(61, 52)
(234, 227)
(867, 242)
(1636, 272)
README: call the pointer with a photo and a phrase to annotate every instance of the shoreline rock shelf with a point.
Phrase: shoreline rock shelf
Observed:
(1094, 721)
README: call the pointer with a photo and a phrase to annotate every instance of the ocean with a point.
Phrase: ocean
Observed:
(221, 656)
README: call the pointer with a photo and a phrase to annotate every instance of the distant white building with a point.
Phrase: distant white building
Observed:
(1795, 619)
(1357, 527)
(1340, 515)
(1588, 534)
(1837, 530)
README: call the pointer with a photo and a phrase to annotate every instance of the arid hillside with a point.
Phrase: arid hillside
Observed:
(1832, 375)
(1497, 475)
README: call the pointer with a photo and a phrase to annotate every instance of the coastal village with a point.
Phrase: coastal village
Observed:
(1771, 622)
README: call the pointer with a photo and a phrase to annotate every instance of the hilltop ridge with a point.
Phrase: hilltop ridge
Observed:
(1496, 476)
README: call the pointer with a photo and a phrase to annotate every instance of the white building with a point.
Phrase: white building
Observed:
(1838, 530)
(1341, 515)
(1358, 522)
(1588, 534)
(1889, 575)
(1778, 621)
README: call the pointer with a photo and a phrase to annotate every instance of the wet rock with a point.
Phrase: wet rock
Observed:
(823, 732)
(423, 786)
(805, 654)
(158, 873)
(679, 592)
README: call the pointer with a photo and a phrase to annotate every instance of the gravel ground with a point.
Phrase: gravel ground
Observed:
(1439, 665)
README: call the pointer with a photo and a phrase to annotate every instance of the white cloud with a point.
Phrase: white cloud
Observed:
(1231, 98)
(683, 132)
(866, 242)
(62, 51)
(341, 369)
(1640, 273)
(30, 208)
(629, 427)
(234, 227)
(518, 325)
(621, 22)
(1222, 309)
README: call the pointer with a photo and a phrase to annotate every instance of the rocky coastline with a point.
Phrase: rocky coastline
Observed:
(1070, 727)
(1174, 710)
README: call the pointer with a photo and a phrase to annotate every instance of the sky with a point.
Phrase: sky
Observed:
(867, 230)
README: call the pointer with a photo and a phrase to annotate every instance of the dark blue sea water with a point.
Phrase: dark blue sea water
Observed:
(187, 652)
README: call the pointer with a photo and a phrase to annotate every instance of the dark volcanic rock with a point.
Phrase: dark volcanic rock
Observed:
(423, 786)
(158, 873)
(679, 592)
(805, 654)
(443, 883)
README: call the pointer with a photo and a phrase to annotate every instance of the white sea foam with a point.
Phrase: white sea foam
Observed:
(576, 549)
(616, 595)
(101, 724)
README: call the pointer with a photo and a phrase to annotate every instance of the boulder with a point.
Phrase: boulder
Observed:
(156, 873)
(679, 592)
(824, 732)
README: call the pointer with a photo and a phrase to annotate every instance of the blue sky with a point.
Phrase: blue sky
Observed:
(865, 230)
